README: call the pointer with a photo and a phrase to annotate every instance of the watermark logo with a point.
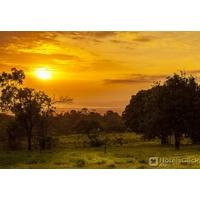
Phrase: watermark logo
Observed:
(169, 161)
(153, 161)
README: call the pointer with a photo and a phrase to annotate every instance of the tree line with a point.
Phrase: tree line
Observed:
(86, 122)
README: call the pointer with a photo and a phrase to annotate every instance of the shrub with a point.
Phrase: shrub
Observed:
(80, 163)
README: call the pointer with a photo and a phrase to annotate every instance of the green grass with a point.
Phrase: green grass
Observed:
(133, 154)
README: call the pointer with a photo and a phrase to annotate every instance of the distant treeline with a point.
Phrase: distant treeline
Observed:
(86, 121)
(72, 122)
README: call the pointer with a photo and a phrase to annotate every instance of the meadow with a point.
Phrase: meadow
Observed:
(73, 152)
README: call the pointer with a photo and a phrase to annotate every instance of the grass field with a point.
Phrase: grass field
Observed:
(134, 153)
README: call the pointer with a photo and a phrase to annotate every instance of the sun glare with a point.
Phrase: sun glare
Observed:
(43, 73)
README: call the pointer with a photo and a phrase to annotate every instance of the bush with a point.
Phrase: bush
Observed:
(80, 163)
(96, 140)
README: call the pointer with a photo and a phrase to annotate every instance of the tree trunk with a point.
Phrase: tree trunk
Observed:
(177, 142)
(42, 143)
(105, 148)
(164, 139)
(29, 135)
(29, 142)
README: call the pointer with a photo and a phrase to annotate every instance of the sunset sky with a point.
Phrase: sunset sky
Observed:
(98, 69)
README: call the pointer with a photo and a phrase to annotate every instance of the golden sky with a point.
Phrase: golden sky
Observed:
(99, 69)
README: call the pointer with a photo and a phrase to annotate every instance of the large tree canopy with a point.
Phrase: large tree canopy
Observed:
(172, 108)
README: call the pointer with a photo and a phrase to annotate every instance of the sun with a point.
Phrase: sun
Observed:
(43, 73)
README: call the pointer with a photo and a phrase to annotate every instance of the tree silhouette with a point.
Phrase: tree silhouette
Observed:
(168, 109)
(27, 104)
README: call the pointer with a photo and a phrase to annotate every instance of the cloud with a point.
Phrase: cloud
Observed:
(132, 38)
(26, 38)
(136, 78)
(100, 34)
(88, 35)
(144, 38)
(27, 44)
(97, 34)
(119, 41)
(143, 78)
(22, 58)
(114, 36)
(31, 39)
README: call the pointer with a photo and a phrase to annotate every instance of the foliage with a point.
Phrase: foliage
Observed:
(28, 105)
(86, 122)
(168, 109)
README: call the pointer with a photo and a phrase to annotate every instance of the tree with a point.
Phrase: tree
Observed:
(168, 109)
(180, 96)
(113, 122)
(134, 114)
(27, 104)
